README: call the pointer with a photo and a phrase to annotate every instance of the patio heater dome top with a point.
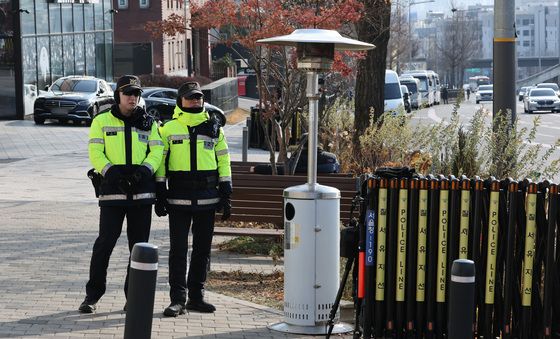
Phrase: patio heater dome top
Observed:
(318, 36)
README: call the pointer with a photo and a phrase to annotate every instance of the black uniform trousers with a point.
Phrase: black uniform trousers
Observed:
(202, 232)
(138, 220)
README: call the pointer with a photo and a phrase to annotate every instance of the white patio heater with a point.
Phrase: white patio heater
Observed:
(312, 211)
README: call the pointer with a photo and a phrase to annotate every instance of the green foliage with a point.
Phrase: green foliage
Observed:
(225, 61)
(482, 147)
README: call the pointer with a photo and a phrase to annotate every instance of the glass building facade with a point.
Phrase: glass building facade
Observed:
(52, 39)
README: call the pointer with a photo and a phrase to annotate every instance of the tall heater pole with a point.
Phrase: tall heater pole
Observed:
(504, 58)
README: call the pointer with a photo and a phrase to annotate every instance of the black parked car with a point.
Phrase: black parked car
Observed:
(161, 101)
(76, 98)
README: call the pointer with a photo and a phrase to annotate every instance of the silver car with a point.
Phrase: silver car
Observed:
(485, 93)
(542, 99)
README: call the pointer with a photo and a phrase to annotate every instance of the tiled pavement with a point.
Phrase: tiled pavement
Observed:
(49, 221)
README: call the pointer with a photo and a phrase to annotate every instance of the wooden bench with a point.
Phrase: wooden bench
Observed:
(259, 197)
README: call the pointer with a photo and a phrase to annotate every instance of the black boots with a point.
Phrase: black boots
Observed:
(174, 310)
(200, 306)
(87, 306)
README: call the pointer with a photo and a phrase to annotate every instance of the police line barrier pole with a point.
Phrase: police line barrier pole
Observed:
(412, 254)
(549, 258)
(528, 260)
(441, 275)
(382, 208)
(141, 291)
(401, 258)
(391, 257)
(491, 255)
(461, 300)
(370, 223)
(421, 257)
(432, 258)
(510, 249)
(475, 248)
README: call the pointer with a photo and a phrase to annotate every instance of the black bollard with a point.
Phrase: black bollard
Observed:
(461, 300)
(141, 291)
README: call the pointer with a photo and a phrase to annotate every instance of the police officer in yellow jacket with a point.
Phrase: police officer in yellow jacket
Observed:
(126, 149)
(198, 173)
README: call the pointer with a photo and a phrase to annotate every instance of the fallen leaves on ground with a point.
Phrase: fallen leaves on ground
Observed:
(258, 288)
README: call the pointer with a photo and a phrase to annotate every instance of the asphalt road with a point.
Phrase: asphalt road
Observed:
(547, 133)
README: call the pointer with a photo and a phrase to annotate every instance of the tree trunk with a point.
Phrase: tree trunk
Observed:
(373, 27)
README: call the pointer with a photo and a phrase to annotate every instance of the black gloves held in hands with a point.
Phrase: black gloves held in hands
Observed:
(142, 173)
(127, 183)
(161, 199)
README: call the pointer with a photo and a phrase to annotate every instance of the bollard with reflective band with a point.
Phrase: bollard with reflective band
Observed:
(390, 267)
(141, 291)
(491, 256)
(461, 300)
(411, 243)
(400, 267)
(528, 260)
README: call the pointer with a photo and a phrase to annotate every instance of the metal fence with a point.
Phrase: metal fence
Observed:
(412, 229)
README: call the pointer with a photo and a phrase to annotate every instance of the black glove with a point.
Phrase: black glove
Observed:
(224, 191)
(141, 119)
(113, 175)
(126, 185)
(210, 128)
(142, 173)
(161, 200)
(224, 206)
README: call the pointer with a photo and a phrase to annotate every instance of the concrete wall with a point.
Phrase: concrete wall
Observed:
(222, 93)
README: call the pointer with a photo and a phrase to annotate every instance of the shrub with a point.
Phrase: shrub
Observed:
(500, 149)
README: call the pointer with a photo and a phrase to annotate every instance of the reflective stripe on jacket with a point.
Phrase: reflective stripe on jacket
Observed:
(114, 142)
(193, 164)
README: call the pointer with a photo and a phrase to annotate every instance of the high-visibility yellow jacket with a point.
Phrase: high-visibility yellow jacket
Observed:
(194, 164)
(117, 142)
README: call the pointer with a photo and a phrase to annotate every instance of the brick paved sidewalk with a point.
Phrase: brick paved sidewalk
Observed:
(49, 223)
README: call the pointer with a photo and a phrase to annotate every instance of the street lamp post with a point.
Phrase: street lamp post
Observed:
(312, 211)
(410, 3)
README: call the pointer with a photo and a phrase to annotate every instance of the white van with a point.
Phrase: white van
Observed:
(393, 96)
(413, 85)
(426, 85)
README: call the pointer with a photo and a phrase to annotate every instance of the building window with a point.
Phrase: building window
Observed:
(526, 43)
(123, 4)
(144, 3)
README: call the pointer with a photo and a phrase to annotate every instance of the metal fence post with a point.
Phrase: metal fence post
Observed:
(141, 291)
(245, 144)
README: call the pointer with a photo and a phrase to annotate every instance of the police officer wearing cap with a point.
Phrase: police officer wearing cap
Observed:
(198, 173)
(125, 149)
